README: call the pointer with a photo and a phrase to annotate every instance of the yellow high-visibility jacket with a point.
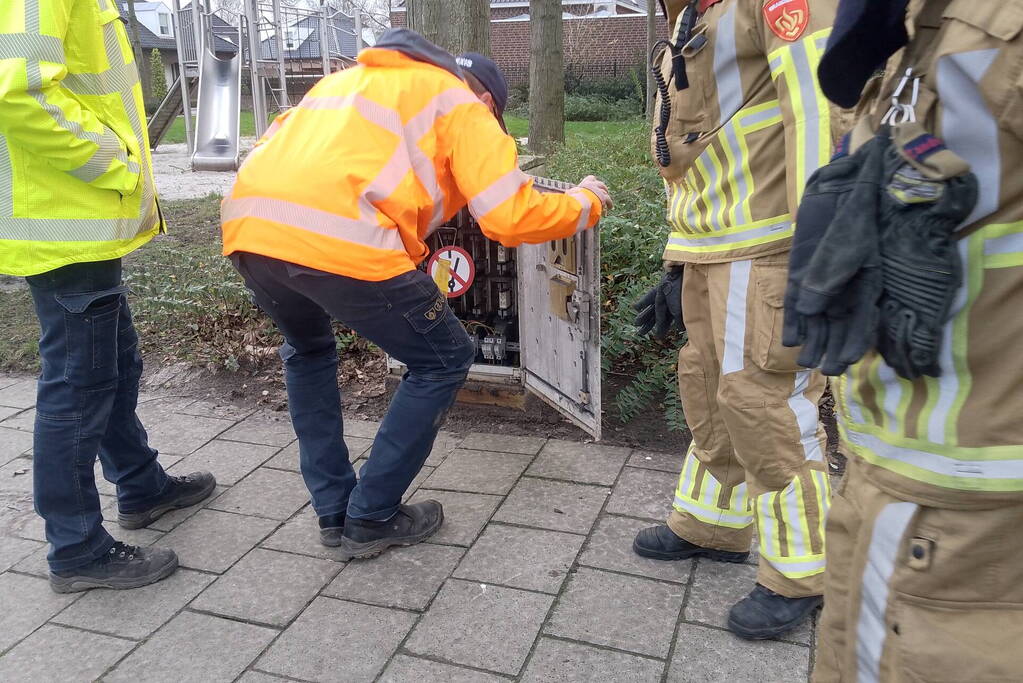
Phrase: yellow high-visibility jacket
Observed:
(375, 158)
(76, 178)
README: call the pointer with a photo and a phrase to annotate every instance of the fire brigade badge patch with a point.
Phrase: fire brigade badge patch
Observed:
(787, 18)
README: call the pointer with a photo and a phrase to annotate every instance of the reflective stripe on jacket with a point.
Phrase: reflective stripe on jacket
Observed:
(75, 173)
(353, 179)
(747, 133)
(957, 440)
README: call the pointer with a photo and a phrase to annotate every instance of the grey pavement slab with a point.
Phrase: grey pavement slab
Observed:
(654, 460)
(16, 476)
(587, 463)
(563, 662)
(624, 612)
(561, 506)
(445, 444)
(62, 655)
(265, 493)
(643, 493)
(288, 458)
(610, 547)
(229, 461)
(465, 514)
(21, 394)
(718, 586)
(339, 641)
(263, 428)
(361, 428)
(408, 578)
(14, 550)
(175, 517)
(22, 420)
(302, 535)
(143, 536)
(212, 540)
(18, 518)
(136, 613)
(260, 677)
(479, 472)
(406, 669)
(532, 559)
(153, 408)
(706, 655)
(480, 625)
(184, 434)
(418, 481)
(194, 647)
(504, 443)
(28, 603)
(267, 587)
(215, 408)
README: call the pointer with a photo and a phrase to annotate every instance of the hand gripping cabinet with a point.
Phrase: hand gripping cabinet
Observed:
(533, 311)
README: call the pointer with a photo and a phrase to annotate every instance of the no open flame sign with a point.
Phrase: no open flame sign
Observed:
(453, 270)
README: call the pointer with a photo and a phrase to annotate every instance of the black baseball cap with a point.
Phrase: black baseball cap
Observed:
(490, 76)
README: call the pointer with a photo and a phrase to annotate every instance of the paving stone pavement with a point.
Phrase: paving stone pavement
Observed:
(532, 578)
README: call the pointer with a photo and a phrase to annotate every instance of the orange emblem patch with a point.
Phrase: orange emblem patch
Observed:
(787, 18)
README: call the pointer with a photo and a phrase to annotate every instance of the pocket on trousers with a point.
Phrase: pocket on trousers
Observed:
(950, 642)
(771, 277)
(91, 329)
(439, 326)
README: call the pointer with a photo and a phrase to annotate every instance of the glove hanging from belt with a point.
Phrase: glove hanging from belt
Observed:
(661, 307)
(883, 270)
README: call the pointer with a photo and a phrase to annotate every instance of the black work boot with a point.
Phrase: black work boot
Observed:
(412, 524)
(181, 492)
(332, 527)
(123, 566)
(764, 614)
(661, 543)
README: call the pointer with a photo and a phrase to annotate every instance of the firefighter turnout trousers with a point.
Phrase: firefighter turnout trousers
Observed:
(919, 593)
(757, 455)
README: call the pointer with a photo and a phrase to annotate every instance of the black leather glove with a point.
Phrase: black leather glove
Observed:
(922, 203)
(661, 307)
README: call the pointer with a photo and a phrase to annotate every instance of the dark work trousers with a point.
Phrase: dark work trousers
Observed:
(88, 392)
(410, 320)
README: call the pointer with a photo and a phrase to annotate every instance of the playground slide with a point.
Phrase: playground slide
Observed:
(217, 125)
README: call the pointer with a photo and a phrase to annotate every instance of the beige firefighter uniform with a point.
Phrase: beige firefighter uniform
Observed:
(925, 565)
(743, 138)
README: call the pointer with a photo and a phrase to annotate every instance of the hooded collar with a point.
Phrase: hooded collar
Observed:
(414, 46)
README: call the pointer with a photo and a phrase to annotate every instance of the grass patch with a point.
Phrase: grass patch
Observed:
(176, 133)
(577, 132)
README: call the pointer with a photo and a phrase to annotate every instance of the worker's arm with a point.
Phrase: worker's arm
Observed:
(39, 116)
(484, 163)
(793, 44)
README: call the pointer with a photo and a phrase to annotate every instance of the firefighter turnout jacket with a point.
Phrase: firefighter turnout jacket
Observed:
(745, 124)
(75, 175)
(957, 439)
(375, 158)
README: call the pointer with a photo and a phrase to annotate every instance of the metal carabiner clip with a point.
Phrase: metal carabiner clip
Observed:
(900, 112)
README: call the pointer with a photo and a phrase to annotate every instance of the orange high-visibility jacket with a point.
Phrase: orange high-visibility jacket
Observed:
(375, 158)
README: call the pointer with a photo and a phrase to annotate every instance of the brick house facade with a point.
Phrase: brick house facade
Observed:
(601, 39)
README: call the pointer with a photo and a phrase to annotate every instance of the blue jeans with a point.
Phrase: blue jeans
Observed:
(405, 316)
(88, 391)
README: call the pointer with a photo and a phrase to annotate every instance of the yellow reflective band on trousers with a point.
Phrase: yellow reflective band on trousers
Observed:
(700, 495)
(75, 173)
(929, 430)
(792, 540)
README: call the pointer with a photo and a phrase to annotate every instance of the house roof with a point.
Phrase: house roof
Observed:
(342, 40)
(399, 5)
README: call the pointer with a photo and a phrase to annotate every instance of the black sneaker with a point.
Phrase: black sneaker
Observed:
(332, 527)
(124, 566)
(764, 614)
(661, 543)
(410, 525)
(181, 493)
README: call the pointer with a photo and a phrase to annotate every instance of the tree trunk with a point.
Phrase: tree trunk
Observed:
(468, 26)
(456, 25)
(428, 17)
(143, 65)
(651, 39)
(546, 75)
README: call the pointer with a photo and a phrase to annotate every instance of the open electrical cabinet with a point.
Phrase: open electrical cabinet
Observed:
(533, 311)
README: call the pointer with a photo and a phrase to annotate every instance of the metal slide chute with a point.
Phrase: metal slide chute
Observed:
(218, 116)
